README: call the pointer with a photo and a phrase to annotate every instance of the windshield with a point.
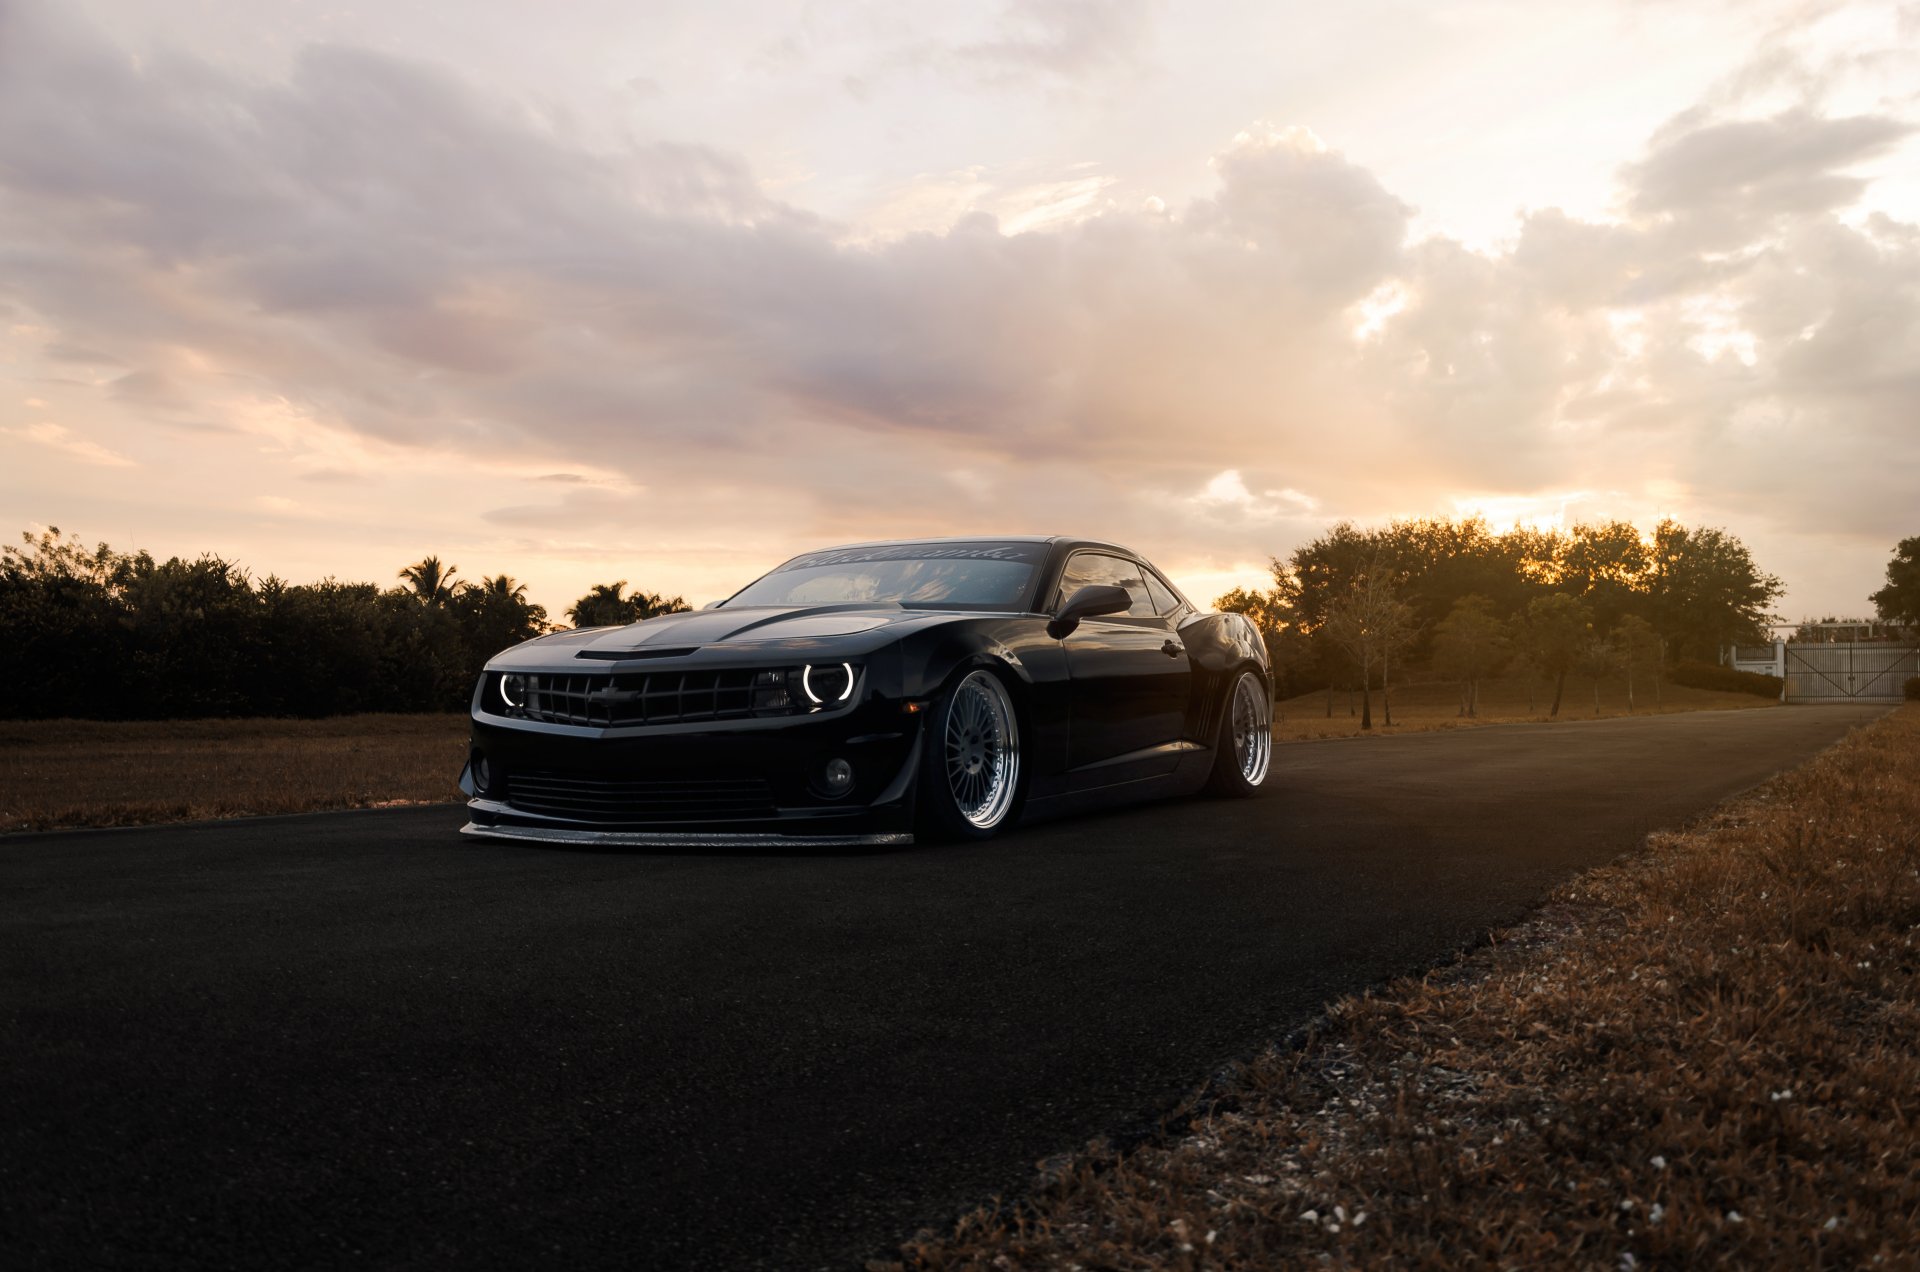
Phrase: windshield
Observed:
(980, 576)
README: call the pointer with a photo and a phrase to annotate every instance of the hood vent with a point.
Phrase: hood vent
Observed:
(626, 655)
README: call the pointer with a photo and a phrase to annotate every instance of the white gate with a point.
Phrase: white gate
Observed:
(1849, 671)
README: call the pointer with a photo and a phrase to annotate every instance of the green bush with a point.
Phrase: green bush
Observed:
(1724, 679)
(1913, 688)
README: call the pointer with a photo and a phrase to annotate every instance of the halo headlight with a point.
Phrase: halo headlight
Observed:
(513, 689)
(828, 683)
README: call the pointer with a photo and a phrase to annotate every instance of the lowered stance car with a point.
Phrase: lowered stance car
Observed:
(945, 688)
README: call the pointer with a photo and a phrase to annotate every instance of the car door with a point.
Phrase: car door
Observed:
(1129, 678)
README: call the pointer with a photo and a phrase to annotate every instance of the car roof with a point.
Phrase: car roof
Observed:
(1072, 541)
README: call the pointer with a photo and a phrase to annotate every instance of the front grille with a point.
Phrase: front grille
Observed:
(589, 797)
(641, 697)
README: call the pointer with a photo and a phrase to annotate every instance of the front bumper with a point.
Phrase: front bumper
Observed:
(510, 828)
(739, 782)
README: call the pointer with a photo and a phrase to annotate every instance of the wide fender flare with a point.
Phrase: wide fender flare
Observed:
(1018, 648)
(1220, 646)
(932, 661)
(1223, 643)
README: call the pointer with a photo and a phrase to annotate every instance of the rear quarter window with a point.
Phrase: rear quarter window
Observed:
(1164, 601)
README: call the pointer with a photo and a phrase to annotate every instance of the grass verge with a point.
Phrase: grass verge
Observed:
(1419, 708)
(1705, 1053)
(59, 773)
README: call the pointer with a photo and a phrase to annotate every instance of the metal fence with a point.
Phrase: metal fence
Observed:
(1849, 671)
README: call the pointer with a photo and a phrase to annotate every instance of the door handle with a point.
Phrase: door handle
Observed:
(1173, 648)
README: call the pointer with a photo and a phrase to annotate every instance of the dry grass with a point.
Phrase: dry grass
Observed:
(63, 773)
(1707, 1054)
(1418, 708)
(56, 773)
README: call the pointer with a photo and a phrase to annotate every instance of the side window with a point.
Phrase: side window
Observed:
(1163, 598)
(1079, 572)
(1089, 568)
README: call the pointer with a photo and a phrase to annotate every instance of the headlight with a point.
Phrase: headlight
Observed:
(827, 684)
(513, 690)
(771, 693)
(800, 690)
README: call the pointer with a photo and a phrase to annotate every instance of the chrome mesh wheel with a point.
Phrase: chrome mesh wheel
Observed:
(1252, 728)
(982, 750)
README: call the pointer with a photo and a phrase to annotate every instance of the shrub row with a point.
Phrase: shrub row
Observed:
(1697, 675)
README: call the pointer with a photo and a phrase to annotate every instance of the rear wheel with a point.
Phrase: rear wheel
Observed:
(970, 762)
(1244, 747)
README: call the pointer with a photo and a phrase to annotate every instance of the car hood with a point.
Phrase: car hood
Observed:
(852, 628)
(750, 623)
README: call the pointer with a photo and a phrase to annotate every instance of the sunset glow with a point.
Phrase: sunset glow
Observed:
(671, 296)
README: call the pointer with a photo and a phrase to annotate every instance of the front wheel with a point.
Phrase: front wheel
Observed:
(970, 764)
(1244, 747)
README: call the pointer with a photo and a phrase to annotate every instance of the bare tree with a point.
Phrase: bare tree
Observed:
(1398, 627)
(1367, 621)
(1524, 660)
(1469, 645)
(1596, 656)
(1639, 648)
(1551, 638)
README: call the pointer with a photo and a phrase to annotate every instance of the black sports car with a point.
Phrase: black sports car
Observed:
(945, 687)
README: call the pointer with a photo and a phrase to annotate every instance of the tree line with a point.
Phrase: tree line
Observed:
(100, 634)
(1354, 605)
(117, 635)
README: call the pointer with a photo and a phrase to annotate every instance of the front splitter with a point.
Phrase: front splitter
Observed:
(683, 839)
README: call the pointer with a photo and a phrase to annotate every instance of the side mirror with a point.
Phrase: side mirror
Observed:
(1088, 602)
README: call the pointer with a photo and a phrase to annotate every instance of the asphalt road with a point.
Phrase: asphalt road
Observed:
(360, 1038)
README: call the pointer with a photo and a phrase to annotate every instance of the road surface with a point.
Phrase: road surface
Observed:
(361, 1038)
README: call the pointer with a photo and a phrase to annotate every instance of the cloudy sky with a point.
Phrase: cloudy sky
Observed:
(599, 290)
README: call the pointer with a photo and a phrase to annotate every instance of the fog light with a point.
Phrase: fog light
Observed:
(482, 774)
(837, 777)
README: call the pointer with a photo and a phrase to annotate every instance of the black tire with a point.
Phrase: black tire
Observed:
(1246, 717)
(972, 774)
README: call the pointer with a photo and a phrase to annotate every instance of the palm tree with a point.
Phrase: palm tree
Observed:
(602, 606)
(503, 587)
(432, 582)
(495, 612)
(649, 604)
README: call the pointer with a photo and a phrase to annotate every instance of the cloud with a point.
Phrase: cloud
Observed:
(1326, 224)
(61, 352)
(150, 388)
(1226, 496)
(55, 437)
(1063, 39)
(1793, 163)
(387, 255)
(1057, 47)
